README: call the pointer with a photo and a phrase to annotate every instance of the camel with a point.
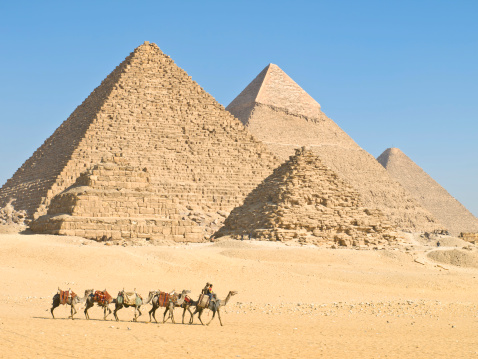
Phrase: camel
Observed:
(175, 301)
(214, 306)
(71, 300)
(103, 299)
(128, 299)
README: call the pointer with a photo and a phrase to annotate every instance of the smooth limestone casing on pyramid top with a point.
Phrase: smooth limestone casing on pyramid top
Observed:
(152, 113)
(306, 201)
(428, 192)
(282, 115)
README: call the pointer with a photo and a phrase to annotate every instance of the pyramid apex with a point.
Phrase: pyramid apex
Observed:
(273, 87)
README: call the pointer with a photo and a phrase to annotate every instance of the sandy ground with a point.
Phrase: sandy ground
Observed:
(293, 302)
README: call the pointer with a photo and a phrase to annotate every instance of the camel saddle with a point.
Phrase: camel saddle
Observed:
(163, 299)
(203, 301)
(102, 297)
(131, 298)
(65, 294)
(188, 300)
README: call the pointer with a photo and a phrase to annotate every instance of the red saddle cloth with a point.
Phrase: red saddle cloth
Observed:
(64, 295)
(188, 300)
(163, 299)
(102, 297)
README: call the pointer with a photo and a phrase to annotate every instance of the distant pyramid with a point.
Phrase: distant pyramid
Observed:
(282, 115)
(151, 113)
(428, 192)
(306, 201)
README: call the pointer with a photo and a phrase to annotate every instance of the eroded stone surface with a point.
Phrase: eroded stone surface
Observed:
(306, 201)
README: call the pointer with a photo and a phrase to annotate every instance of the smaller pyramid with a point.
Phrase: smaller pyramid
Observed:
(304, 200)
(428, 192)
(115, 201)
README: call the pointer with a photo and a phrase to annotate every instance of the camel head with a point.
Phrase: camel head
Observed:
(233, 292)
(151, 295)
(88, 292)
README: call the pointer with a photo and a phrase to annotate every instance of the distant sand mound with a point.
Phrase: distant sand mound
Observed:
(456, 257)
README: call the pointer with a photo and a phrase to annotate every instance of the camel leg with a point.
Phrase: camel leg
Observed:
(171, 312)
(199, 317)
(117, 307)
(139, 311)
(56, 303)
(150, 312)
(154, 313)
(191, 317)
(164, 314)
(88, 306)
(106, 307)
(213, 315)
(219, 317)
(134, 319)
(184, 313)
(73, 310)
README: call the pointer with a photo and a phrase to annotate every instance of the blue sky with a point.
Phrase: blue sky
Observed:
(390, 73)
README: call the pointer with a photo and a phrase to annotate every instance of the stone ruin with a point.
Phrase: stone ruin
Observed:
(303, 200)
(153, 114)
(455, 217)
(10, 216)
(282, 115)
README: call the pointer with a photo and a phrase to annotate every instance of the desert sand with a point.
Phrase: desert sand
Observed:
(292, 302)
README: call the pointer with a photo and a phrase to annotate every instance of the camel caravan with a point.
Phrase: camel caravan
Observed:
(158, 299)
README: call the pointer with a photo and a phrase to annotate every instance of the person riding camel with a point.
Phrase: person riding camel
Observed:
(210, 293)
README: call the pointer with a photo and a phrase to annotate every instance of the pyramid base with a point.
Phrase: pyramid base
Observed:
(330, 240)
(110, 229)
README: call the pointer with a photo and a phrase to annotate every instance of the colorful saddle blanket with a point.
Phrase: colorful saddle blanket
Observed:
(188, 300)
(163, 299)
(64, 295)
(102, 297)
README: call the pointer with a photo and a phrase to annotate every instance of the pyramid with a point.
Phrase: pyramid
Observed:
(454, 216)
(115, 201)
(282, 115)
(151, 113)
(305, 200)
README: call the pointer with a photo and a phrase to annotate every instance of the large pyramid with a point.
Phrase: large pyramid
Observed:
(306, 201)
(281, 114)
(150, 112)
(428, 192)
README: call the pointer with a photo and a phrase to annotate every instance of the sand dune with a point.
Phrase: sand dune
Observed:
(292, 302)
